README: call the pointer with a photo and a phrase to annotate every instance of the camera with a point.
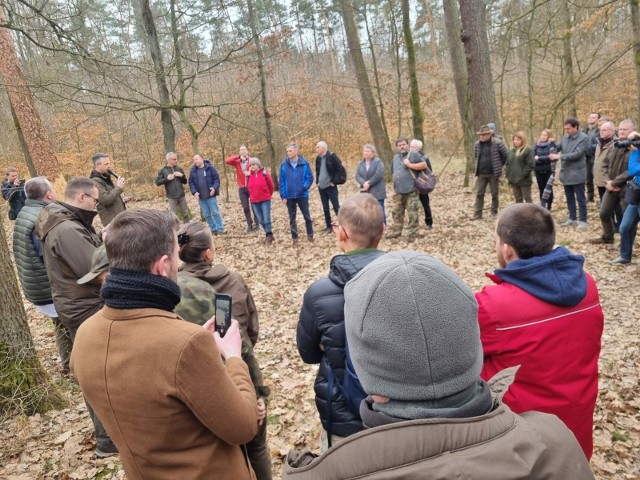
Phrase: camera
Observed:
(626, 143)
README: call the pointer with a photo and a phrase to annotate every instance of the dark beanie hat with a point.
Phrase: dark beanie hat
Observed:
(412, 328)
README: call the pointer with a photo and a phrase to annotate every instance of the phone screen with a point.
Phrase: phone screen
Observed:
(223, 311)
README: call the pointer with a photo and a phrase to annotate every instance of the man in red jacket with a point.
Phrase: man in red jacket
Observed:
(241, 164)
(544, 314)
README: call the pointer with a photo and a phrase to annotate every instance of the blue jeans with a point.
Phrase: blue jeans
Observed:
(628, 229)
(573, 193)
(211, 212)
(384, 214)
(326, 195)
(262, 211)
(303, 204)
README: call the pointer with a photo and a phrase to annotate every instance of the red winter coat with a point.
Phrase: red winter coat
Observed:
(557, 347)
(260, 185)
(241, 179)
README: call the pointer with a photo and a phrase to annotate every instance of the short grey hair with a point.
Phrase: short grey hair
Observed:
(97, 158)
(293, 145)
(37, 187)
(630, 122)
(368, 146)
(323, 144)
(417, 142)
(170, 155)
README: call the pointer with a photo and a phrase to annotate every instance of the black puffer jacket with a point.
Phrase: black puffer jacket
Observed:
(322, 322)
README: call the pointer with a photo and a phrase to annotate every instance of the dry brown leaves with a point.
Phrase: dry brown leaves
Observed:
(59, 444)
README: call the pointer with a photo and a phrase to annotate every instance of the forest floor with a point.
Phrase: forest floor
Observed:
(59, 445)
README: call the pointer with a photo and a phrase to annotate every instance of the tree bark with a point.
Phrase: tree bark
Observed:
(635, 22)
(376, 77)
(461, 81)
(567, 59)
(271, 151)
(168, 131)
(380, 139)
(27, 118)
(417, 116)
(24, 385)
(432, 31)
(478, 58)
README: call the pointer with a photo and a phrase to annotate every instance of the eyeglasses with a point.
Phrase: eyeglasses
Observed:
(95, 200)
(335, 226)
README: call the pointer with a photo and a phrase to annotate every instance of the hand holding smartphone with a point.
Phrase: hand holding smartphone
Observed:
(223, 313)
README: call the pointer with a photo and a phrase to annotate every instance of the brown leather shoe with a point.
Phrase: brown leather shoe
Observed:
(600, 240)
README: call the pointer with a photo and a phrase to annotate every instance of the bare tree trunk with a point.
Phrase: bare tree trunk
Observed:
(40, 148)
(24, 385)
(168, 131)
(567, 59)
(395, 46)
(432, 31)
(376, 77)
(182, 86)
(635, 22)
(417, 116)
(380, 139)
(271, 151)
(461, 81)
(476, 46)
(23, 143)
(530, 52)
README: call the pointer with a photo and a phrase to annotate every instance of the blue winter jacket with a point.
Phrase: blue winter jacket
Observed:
(295, 182)
(213, 179)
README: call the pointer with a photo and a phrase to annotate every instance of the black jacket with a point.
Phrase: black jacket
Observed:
(322, 322)
(15, 196)
(173, 187)
(332, 166)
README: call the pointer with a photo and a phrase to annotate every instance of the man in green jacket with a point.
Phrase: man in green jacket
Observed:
(110, 200)
(29, 256)
(66, 231)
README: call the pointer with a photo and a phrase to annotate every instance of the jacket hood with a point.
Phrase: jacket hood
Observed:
(557, 277)
(204, 269)
(344, 267)
(96, 174)
(58, 212)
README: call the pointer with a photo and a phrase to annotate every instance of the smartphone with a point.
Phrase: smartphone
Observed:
(223, 313)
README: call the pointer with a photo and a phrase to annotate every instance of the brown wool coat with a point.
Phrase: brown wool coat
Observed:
(168, 402)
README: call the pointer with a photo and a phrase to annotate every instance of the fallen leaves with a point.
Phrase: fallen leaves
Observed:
(59, 445)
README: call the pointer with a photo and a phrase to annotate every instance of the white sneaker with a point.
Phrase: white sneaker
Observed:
(582, 226)
(568, 223)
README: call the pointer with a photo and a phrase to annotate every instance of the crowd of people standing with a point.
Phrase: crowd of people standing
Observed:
(176, 408)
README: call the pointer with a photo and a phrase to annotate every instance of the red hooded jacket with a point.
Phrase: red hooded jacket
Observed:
(556, 344)
(260, 186)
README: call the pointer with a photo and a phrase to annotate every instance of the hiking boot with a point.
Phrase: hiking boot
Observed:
(582, 226)
(311, 239)
(249, 229)
(295, 240)
(600, 240)
(411, 239)
(477, 217)
(391, 236)
(269, 240)
(568, 223)
(619, 261)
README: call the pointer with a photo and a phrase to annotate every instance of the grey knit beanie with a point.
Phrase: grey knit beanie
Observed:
(412, 328)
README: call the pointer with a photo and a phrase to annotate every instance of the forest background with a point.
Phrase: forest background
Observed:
(138, 78)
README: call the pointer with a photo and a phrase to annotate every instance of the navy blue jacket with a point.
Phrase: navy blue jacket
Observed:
(322, 322)
(211, 174)
(295, 182)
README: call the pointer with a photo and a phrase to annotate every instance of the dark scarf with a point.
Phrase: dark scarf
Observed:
(85, 216)
(472, 402)
(125, 289)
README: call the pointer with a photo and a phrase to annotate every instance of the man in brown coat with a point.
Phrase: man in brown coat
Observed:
(171, 405)
(417, 353)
